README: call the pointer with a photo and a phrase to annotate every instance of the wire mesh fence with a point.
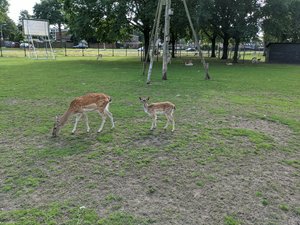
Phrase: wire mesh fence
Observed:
(100, 53)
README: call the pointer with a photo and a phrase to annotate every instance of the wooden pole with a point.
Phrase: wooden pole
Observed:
(166, 40)
(154, 40)
(151, 41)
(197, 41)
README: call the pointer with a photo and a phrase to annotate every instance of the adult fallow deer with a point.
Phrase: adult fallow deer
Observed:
(79, 106)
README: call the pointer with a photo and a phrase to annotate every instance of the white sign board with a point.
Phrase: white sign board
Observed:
(36, 27)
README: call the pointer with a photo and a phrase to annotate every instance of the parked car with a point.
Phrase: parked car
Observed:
(81, 45)
(11, 44)
(141, 49)
(24, 45)
(191, 49)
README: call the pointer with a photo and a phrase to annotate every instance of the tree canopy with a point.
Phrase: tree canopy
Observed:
(281, 21)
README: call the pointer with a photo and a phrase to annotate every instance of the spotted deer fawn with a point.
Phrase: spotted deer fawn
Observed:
(153, 109)
(79, 106)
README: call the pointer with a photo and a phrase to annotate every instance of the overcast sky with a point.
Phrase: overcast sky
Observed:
(15, 6)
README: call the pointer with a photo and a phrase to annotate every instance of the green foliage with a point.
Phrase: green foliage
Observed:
(120, 218)
(4, 5)
(52, 214)
(265, 202)
(231, 220)
(293, 162)
(258, 194)
(96, 20)
(284, 207)
(280, 23)
(50, 10)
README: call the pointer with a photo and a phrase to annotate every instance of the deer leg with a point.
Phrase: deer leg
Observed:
(86, 122)
(78, 116)
(168, 119)
(173, 122)
(153, 126)
(109, 114)
(103, 116)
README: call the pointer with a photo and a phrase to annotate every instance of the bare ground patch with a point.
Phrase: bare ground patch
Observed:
(153, 140)
(170, 189)
(183, 192)
(279, 132)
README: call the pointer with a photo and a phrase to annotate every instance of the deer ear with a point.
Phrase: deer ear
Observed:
(140, 98)
(148, 98)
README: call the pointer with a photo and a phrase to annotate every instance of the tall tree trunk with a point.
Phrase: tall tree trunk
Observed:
(60, 35)
(146, 33)
(173, 42)
(213, 46)
(225, 46)
(236, 50)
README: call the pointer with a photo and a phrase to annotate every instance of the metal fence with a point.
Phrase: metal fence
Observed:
(89, 52)
(99, 53)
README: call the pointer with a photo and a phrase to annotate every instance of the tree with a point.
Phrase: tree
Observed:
(92, 20)
(11, 31)
(222, 17)
(24, 14)
(8, 27)
(140, 15)
(207, 23)
(245, 23)
(228, 19)
(294, 9)
(51, 10)
(179, 24)
(3, 10)
(276, 20)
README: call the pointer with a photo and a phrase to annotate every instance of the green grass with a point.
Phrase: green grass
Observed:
(230, 220)
(66, 214)
(235, 135)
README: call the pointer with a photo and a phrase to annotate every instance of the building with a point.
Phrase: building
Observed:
(283, 53)
(132, 42)
(64, 33)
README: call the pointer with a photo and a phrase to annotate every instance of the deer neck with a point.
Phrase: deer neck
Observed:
(64, 118)
(146, 108)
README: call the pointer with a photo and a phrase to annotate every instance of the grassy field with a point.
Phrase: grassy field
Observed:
(233, 159)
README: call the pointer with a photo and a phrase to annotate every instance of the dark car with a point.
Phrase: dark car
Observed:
(81, 45)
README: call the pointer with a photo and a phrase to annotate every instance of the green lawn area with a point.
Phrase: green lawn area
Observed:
(233, 159)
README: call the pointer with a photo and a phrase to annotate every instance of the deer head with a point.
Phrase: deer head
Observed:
(144, 100)
(56, 127)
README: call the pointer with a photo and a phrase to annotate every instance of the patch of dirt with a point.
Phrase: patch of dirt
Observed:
(152, 140)
(169, 195)
(167, 192)
(279, 132)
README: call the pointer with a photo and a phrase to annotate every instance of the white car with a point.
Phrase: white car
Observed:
(24, 45)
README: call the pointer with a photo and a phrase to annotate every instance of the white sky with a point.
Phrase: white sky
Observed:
(15, 7)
